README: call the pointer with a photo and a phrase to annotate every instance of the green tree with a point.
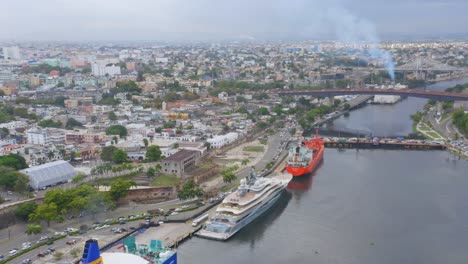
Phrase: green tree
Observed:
(50, 123)
(158, 168)
(45, 212)
(22, 183)
(189, 190)
(228, 176)
(107, 153)
(292, 131)
(72, 123)
(262, 124)
(25, 209)
(346, 106)
(60, 101)
(117, 130)
(145, 142)
(336, 102)
(263, 111)
(112, 116)
(119, 189)
(245, 162)
(153, 153)
(150, 172)
(33, 229)
(119, 156)
(14, 161)
(13, 180)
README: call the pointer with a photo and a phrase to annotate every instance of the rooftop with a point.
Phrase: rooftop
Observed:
(181, 155)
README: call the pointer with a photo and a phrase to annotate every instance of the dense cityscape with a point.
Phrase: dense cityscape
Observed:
(126, 143)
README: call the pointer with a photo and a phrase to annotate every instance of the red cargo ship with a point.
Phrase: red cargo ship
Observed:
(305, 156)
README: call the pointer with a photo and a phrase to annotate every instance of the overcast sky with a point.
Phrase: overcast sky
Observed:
(160, 20)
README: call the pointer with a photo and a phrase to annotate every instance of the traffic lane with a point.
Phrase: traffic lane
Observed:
(18, 237)
(61, 245)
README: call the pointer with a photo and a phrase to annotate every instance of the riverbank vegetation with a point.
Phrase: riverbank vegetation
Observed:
(460, 120)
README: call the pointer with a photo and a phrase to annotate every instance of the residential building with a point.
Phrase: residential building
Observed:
(222, 140)
(45, 136)
(70, 103)
(103, 70)
(11, 53)
(80, 137)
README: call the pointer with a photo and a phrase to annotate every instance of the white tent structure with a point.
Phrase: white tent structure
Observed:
(49, 174)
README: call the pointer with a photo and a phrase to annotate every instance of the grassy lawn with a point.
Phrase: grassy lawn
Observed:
(444, 116)
(433, 134)
(108, 181)
(165, 180)
(231, 185)
(254, 148)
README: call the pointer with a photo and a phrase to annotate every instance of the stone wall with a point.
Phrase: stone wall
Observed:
(151, 194)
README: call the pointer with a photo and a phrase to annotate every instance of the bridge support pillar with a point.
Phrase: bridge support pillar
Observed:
(331, 100)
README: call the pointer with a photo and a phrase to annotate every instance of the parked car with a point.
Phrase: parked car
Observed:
(71, 242)
(40, 255)
(26, 245)
(13, 252)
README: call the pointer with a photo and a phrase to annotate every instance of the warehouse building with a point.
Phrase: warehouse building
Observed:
(49, 174)
(179, 162)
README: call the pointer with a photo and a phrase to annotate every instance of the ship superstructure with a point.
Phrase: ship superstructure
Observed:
(253, 197)
(304, 157)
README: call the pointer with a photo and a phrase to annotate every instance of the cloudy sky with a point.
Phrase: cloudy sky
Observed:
(159, 20)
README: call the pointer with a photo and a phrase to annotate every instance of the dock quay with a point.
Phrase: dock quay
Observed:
(366, 144)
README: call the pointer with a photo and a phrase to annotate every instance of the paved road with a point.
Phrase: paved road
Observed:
(14, 236)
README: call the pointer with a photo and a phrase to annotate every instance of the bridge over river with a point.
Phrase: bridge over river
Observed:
(440, 96)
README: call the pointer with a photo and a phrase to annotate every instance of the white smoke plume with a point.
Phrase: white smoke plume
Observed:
(351, 29)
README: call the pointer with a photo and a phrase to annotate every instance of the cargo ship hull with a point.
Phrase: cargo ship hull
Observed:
(299, 171)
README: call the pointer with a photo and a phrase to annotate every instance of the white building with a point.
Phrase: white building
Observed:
(11, 53)
(6, 76)
(220, 141)
(223, 96)
(49, 174)
(14, 125)
(37, 136)
(103, 70)
(45, 136)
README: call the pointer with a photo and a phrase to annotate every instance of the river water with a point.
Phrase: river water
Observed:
(387, 120)
(360, 206)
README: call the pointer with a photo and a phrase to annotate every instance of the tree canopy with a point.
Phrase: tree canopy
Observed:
(45, 212)
(50, 123)
(25, 209)
(107, 153)
(119, 189)
(14, 161)
(189, 190)
(83, 198)
(153, 153)
(119, 156)
(112, 116)
(117, 130)
(72, 123)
